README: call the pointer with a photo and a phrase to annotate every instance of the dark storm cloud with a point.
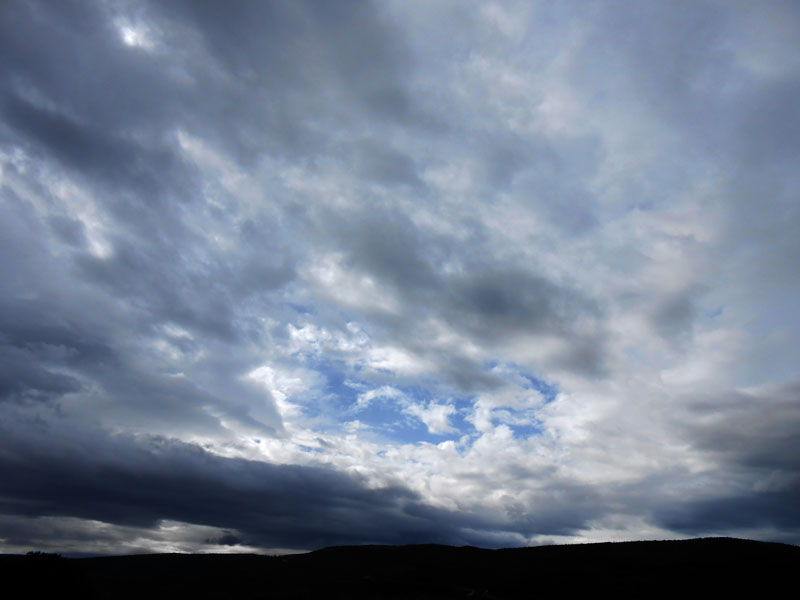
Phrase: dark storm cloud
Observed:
(770, 510)
(138, 483)
(753, 435)
(729, 425)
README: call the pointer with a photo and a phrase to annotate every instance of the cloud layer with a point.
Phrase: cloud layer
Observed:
(282, 275)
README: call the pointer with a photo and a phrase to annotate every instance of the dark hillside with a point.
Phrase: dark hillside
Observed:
(703, 566)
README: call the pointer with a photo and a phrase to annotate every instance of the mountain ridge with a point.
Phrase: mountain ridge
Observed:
(700, 565)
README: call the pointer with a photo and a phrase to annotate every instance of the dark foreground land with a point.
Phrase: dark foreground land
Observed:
(708, 567)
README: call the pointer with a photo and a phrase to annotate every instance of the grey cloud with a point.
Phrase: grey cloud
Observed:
(80, 146)
(492, 300)
(47, 359)
(70, 231)
(93, 345)
(31, 326)
(508, 157)
(268, 39)
(503, 301)
(248, 76)
(271, 38)
(674, 315)
(67, 69)
(294, 61)
(770, 127)
(550, 177)
(385, 164)
(268, 262)
(687, 62)
(386, 244)
(498, 303)
(137, 273)
(21, 378)
(585, 355)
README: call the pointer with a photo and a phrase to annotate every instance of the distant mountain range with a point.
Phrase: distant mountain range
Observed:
(708, 566)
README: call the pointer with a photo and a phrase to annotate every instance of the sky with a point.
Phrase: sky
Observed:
(283, 275)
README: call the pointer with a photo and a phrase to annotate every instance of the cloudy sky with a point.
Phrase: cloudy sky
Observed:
(281, 275)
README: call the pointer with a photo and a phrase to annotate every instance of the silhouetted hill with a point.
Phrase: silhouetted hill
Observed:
(703, 566)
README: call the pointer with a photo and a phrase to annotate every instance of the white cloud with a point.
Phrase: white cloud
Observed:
(435, 416)
(386, 391)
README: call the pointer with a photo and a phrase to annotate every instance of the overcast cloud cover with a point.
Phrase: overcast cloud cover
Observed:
(280, 275)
